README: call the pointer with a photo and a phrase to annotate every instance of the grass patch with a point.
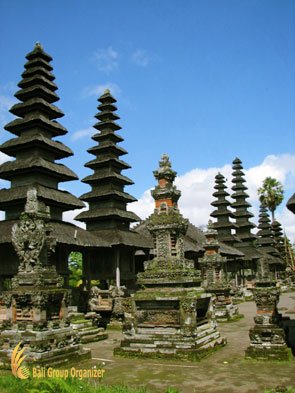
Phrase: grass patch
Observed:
(10, 384)
(230, 320)
(281, 389)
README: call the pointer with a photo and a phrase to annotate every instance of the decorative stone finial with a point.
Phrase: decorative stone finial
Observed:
(107, 91)
(38, 45)
(210, 225)
(165, 170)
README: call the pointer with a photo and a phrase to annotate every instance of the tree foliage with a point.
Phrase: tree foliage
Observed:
(76, 269)
(271, 194)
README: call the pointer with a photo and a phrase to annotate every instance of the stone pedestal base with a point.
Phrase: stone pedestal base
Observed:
(268, 343)
(224, 309)
(226, 313)
(169, 342)
(45, 348)
(170, 323)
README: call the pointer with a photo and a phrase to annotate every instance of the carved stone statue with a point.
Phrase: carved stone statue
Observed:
(28, 240)
(29, 235)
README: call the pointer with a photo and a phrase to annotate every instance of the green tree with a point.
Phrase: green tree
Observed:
(76, 269)
(271, 194)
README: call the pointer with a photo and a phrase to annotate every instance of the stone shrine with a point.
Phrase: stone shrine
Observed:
(171, 315)
(267, 339)
(36, 306)
(215, 281)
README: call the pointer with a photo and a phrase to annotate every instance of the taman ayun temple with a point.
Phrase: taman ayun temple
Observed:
(162, 280)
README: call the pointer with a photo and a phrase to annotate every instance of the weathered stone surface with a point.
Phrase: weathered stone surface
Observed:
(214, 276)
(170, 316)
(267, 339)
(36, 306)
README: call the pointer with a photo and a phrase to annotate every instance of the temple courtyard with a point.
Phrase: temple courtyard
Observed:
(224, 371)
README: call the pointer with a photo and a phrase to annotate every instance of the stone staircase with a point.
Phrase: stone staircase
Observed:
(86, 328)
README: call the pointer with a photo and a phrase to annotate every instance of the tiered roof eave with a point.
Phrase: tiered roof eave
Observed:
(34, 150)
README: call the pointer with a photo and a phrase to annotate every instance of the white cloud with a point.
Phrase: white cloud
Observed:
(281, 167)
(196, 188)
(85, 133)
(106, 59)
(99, 89)
(4, 158)
(71, 214)
(144, 206)
(140, 58)
(6, 103)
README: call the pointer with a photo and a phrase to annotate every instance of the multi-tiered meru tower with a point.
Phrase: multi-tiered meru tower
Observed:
(107, 216)
(36, 151)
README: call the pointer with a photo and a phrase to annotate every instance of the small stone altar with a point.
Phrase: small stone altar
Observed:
(110, 304)
(171, 315)
(215, 280)
(36, 305)
(267, 339)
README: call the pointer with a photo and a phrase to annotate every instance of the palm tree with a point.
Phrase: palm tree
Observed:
(271, 194)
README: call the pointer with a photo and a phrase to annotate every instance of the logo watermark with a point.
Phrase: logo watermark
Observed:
(17, 358)
(22, 372)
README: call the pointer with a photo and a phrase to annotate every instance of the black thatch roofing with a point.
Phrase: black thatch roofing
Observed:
(102, 213)
(17, 126)
(102, 194)
(250, 251)
(107, 147)
(107, 174)
(60, 171)
(38, 104)
(291, 203)
(63, 232)
(107, 135)
(106, 161)
(37, 67)
(28, 141)
(39, 90)
(46, 194)
(115, 237)
(37, 78)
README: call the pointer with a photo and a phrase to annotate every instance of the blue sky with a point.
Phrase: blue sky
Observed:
(204, 81)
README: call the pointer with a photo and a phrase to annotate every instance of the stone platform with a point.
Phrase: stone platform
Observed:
(86, 328)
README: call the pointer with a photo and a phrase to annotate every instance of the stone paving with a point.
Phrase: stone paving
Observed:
(224, 371)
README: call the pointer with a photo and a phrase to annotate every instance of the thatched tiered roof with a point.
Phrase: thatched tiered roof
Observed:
(291, 204)
(34, 150)
(107, 198)
(222, 213)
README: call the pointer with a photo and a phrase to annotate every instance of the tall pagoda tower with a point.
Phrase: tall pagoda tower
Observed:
(108, 217)
(266, 242)
(265, 238)
(241, 213)
(243, 225)
(278, 236)
(35, 168)
(34, 149)
(222, 213)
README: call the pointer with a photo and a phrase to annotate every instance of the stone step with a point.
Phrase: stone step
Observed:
(157, 330)
(81, 325)
(93, 337)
